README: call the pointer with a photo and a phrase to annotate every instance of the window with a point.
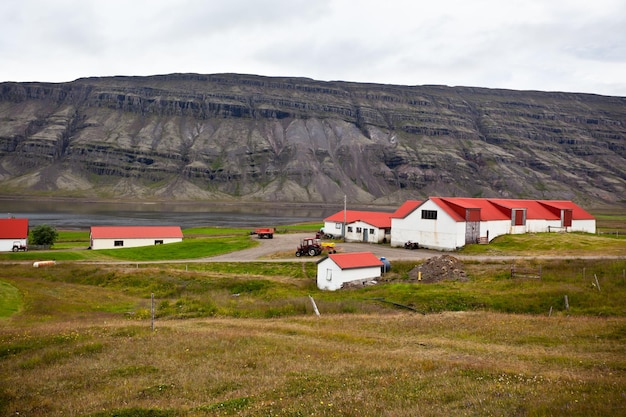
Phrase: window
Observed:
(429, 214)
(158, 242)
(371, 231)
(358, 230)
(118, 243)
(337, 225)
(329, 274)
(350, 229)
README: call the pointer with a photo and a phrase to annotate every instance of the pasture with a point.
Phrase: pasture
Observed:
(242, 339)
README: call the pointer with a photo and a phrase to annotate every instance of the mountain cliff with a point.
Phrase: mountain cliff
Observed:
(253, 138)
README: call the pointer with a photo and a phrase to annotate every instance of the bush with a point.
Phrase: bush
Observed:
(43, 235)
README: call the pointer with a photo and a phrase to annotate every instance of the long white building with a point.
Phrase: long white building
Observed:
(115, 237)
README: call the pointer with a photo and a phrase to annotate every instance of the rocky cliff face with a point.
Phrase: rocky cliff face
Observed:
(227, 136)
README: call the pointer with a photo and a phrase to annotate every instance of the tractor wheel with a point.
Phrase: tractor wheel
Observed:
(312, 252)
(298, 254)
(15, 248)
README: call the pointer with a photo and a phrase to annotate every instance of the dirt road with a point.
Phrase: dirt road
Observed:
(283, 246)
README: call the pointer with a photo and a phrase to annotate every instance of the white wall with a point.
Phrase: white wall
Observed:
(441, 234)
(331, 277)
(354, 236)
(498, 228)
(129, 243)
(587, 226)
(333, 228)
(6, 245)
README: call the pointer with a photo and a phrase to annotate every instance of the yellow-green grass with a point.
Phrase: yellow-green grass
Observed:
(242, 339)
(301, 227)
(400, 364)
(214, 231)
(550, 244)
(611, 222)
(189, 248)
(10, 300)
(273, 289)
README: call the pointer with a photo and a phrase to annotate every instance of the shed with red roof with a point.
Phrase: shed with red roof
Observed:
(337, 269)
(13, 234)
(361, 226)
(115, 237)
(448, 223)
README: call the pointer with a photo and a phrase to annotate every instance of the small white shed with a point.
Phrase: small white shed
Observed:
(339, 268)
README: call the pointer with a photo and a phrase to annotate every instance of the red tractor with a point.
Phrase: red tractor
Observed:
(309, 246)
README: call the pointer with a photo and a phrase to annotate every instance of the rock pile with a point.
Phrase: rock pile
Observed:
(439, 268)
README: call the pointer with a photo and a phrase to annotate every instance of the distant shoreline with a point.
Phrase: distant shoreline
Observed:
(198, 203)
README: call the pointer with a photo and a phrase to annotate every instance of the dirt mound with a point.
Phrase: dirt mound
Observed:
(439, 268)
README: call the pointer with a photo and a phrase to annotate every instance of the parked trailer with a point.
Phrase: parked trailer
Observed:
(265, 233)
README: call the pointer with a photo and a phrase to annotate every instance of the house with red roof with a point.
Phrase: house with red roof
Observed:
(115, 237)
(360, 226)
(13, 235)
(337, 269)
(450, 223)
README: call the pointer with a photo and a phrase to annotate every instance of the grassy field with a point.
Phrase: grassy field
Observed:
(189, 248)
(550, 244)
(243, 338)
(393, 364)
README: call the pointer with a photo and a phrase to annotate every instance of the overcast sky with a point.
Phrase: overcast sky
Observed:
(548, 45)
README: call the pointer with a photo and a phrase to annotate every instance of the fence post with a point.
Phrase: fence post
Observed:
(566, 303)
(597, 283)
(152, 312)
(317, 312)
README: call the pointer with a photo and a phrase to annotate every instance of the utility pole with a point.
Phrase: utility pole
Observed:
(343, 234)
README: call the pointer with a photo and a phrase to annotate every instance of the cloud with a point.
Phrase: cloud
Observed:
(566, 45)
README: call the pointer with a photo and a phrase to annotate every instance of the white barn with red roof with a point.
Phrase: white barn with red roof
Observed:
(337, 269)
(451, 223)
(361, 226)
(13, 234)
(115, 237)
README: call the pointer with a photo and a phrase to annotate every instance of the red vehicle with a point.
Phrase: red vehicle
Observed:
(309, 246)
(265, 233)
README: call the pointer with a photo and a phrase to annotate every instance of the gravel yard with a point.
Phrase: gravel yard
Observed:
(283, 247)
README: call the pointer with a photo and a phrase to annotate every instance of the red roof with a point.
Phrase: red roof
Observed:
(500, 209)
(135, 232)
(355, 260)
(13, 228)
(406, 209)
(578, 213)
(375, 218)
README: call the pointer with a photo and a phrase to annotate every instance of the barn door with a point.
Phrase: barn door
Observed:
(365, 234)
(566, 218)
(472, 225)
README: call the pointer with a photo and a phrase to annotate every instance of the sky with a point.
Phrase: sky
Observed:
(546, 45)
